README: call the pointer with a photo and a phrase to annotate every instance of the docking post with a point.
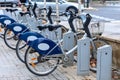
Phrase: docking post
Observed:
(104, 63)
(83, 58)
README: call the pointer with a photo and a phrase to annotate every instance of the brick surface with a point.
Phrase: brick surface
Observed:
(12, 69)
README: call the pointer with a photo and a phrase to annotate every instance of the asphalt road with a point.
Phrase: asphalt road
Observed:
(107, 13)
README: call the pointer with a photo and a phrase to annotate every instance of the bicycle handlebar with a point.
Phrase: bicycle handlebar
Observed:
(74, 16)
(67, 13)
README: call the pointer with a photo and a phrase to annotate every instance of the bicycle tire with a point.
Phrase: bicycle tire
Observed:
(36, 66)
(64, 30)
(98, 42)
(10, 39)
(21, 47)
(93, 60)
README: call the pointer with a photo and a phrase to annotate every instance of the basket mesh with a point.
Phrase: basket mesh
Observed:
(96, 28)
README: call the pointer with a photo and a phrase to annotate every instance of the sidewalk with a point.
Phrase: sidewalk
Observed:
(112, 30)
(12, 69)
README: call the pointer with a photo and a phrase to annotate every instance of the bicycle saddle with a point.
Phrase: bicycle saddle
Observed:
(6, 20)
(11, 10)
(17, 28)
(2, 16)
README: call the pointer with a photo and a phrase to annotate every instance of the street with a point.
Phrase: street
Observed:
(107, 13)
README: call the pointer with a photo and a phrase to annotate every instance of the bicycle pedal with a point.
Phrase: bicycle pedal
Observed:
(32, 51)
(65, 66)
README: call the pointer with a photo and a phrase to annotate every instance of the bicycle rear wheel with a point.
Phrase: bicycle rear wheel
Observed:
(10, 39)
(21, 47)
(38, 65)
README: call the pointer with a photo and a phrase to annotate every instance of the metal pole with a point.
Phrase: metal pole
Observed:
(44, 7)
(5, 4)
(79, 6)
(57, 10)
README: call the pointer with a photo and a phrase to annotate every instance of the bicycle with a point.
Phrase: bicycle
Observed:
(5, 20)
(48, 54)
(20, 51)
(2, 24)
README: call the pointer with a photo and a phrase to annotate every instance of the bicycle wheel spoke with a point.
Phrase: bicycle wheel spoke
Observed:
(21, 47)
(40, 65)
(10, 39)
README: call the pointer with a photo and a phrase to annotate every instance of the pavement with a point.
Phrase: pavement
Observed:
(112, 30)
(11, 68)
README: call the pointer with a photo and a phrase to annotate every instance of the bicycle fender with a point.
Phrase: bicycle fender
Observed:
(45, 46)
(6, 20)
(2, 16)
(29, 36)
(17, 28)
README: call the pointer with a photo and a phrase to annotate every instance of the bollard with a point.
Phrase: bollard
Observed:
(68, 43)
(104, 63)
(83, 58)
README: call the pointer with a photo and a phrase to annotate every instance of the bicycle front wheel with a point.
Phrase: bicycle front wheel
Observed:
(93, 48)
(96, 44)
(38, 65)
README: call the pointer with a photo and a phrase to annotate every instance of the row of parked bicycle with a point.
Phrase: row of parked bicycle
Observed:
(38, 42)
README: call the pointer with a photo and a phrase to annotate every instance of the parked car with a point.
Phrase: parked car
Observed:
(9, 3)
(63, 5)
